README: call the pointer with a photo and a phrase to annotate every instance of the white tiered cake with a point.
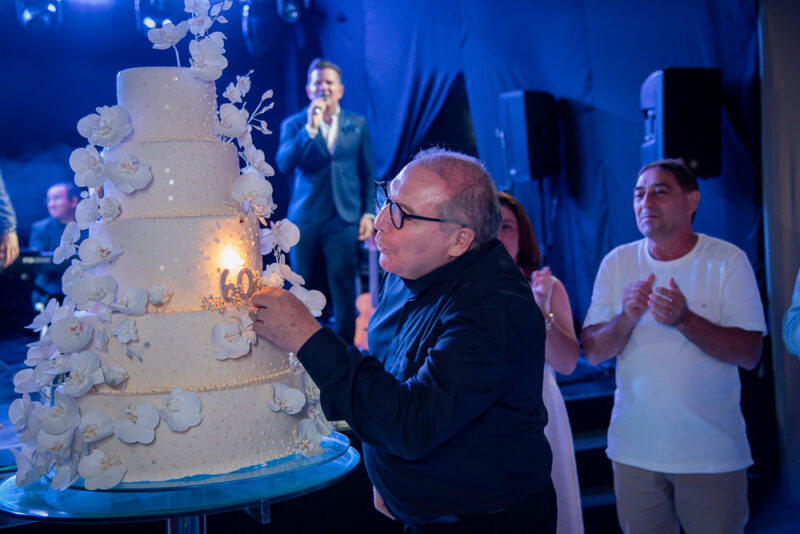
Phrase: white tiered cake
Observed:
(148, 371)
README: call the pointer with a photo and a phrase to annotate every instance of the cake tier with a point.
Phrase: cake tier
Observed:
(189, 178)
(177, 351)
(237, 430)
(185, 254)
(167, 103)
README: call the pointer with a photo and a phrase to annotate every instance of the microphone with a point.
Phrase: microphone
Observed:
(317, 110)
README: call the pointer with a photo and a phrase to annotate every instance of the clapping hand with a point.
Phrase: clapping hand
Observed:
(635, 297)
(542, 284)
(668, 305)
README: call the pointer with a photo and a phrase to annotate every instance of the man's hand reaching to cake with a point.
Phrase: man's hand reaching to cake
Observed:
(282, 319)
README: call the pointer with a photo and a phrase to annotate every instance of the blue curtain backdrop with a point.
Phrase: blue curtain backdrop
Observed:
(400, 59)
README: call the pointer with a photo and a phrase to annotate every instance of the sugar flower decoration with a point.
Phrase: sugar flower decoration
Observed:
(73, 273)
(100, 472)
(90, 289)
(229, 340)
(87, 164)
(125, 331)
(313, 300)
(33, 380)
(95, 426)
(181, 410)
(31, 465)
(207, 61)
(138, 425)
(94, 251)
(284, 234)
(107, 127)
(258, 161)
(84, 373)
(109, 209)
(71, 334)
(232, 121)
(59, 445)
(159, 295)
(251, 187)
(86, 212)
(70, 236)
(315, 413)
(284, 271)
(308, 440)
(62, 416)
(286, 399)
(37, 355)
(100, 340)
(24, 415)
(43, 319)
(168, 35)
(114, 375)
(133, 303)
(129, 174)
(66, 473)
(309, 387)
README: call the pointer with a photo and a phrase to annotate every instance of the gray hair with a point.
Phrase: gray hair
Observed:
(472, 199)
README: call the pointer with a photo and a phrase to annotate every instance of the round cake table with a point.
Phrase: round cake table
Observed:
(185, 503)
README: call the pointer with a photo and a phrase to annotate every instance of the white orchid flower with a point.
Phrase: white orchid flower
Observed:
(59, 445)
(219, 38)
(66, 473)
(284, 271)
(90, 289)
(133, 303)
(159, 295)
(271, 279)
(43, 319)
(232, 121)
(84, 373)
(286, 399)
(24, 415)
(284, 234)
(138, 425)
(207, 61)
(100, 472)
(109, 209)
(243, 84)
(251, 186)
(233, 94)
(37, 355)
(62, 364)
(245, 140)
(95, 426)
(114, 375)
(256, 159)
(31, 465)
(168, 34)
(309, 387)
(94, 251)
(73, 273)
(101, 337)
(313, 300)
(64, 415)
(107, 127)
(129, 174)
(70, 334)
(308, 440)
(181, 410)
(198, 24)
(87, 164)
(229, 340)
(196, 7)
(324, 426)
(86, 212)
(125, 331)
(70, 236)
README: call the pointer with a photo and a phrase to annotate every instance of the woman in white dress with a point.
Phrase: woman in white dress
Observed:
(561, 354)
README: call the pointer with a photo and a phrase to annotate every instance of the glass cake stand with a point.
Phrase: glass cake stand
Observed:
(184, 503)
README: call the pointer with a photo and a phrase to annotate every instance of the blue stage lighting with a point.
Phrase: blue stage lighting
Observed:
(39, 13)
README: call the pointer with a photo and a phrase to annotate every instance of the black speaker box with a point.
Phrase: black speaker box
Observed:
(529, 127)
(682, 110)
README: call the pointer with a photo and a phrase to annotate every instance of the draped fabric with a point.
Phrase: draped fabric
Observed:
(401, 58)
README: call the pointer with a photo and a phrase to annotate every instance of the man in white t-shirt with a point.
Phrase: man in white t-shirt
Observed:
(681, 312)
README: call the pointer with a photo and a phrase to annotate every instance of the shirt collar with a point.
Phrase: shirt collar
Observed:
(448, 270)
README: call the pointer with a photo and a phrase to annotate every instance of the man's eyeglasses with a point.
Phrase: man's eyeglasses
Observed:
(396, 213)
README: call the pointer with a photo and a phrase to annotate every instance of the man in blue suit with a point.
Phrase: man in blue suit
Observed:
(328, 150)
